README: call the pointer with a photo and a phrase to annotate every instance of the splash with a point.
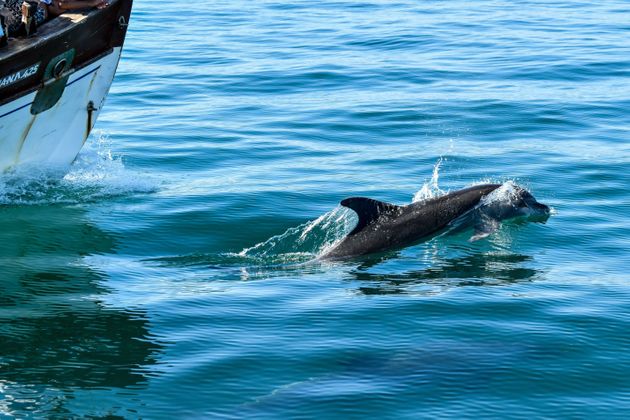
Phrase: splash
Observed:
(430, 189)
(95, 175)
(304, 242)
(297, 245)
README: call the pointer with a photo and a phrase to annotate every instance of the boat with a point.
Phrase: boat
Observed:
(53, 84)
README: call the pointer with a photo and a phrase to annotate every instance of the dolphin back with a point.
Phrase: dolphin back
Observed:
(368, 210)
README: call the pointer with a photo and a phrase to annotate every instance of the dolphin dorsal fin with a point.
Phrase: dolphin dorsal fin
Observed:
(368, 210)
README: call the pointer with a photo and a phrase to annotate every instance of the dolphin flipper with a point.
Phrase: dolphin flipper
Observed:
(368, 210)
(484, 227)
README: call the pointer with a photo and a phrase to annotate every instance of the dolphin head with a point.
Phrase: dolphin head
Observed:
(528, 206)
(506, 202)
(509, 201)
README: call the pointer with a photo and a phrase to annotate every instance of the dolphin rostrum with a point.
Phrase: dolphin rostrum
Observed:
(383, 226)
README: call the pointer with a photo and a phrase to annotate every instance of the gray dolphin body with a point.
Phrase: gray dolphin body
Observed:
(383, 226)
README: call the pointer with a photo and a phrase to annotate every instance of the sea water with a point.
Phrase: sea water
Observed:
(171, 272)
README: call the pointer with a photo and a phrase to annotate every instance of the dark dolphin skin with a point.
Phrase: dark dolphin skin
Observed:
(384, 226)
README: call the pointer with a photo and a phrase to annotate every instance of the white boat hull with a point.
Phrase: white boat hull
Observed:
(53, 138)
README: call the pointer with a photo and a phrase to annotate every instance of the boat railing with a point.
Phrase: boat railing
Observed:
(28, 27)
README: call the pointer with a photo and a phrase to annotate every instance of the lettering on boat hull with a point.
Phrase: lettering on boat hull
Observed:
(19, 76)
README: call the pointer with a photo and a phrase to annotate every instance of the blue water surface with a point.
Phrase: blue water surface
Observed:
(171, 274)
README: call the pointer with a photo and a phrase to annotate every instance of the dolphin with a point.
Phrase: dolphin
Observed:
(383, 226)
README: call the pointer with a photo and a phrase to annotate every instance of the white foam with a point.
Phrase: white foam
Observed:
(96, 174)
(305, 240)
